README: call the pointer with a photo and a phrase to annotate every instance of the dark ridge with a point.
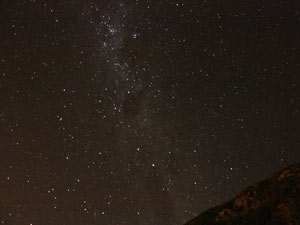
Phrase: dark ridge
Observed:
(273, 201)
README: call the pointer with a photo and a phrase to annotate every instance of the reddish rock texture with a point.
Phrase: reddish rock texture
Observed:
(274, 201)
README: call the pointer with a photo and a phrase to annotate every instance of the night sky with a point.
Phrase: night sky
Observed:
(142, 112)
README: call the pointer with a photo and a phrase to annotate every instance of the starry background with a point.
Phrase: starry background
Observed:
(142, 112)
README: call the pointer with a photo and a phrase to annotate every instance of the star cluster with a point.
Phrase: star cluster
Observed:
(142, 112)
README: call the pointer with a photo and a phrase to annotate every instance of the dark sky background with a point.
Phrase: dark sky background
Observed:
(142, 112)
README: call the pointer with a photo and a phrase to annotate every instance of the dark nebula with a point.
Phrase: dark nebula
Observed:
(142, 112)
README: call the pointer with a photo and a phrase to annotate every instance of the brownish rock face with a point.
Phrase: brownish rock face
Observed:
(274, 201)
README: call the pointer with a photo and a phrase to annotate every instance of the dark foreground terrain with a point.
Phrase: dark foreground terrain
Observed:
(275, 201)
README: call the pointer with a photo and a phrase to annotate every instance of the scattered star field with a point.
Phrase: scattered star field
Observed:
(142, 112)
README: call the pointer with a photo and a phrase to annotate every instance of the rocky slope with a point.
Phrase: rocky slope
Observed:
(273, 201)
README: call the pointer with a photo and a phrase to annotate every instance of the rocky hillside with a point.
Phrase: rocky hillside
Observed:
(274, 201)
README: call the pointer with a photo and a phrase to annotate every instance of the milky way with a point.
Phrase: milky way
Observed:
(142, 112)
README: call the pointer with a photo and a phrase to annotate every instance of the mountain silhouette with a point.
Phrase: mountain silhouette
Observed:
(273, 201)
